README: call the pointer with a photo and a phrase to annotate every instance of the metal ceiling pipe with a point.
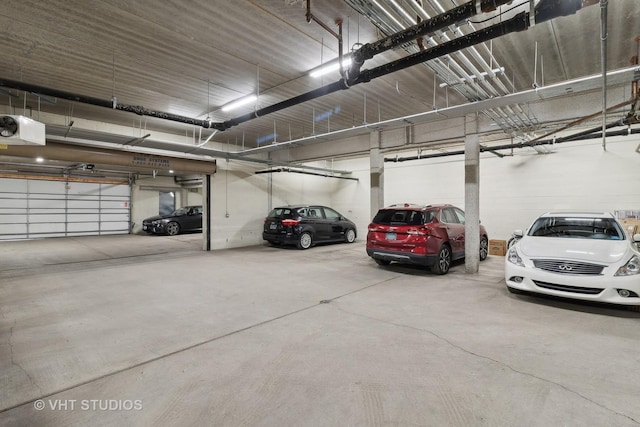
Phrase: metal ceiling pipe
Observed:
(511, 146)
(603, 61)
(305, 173)
(107, 103)
(425, 27)
(549, 9)
(83, 154)
(518, 23)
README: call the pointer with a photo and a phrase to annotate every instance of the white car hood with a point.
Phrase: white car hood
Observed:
(590, 250)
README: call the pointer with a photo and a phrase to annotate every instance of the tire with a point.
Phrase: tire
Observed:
(484, 248)
(443, 262)
(305, 241)
(350, 236)
(173, 228)
(382, 261)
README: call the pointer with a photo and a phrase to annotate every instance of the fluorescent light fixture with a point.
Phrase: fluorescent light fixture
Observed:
(39, 159)
(240, 102)
(329, 67)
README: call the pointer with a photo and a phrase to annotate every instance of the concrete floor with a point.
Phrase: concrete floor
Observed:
(152, 331)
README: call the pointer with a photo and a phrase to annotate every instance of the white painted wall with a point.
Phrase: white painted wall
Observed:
(515, 190)
(241, 199)
(238, 205)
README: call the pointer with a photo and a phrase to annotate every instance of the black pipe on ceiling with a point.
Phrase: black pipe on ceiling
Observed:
(107, 103)
(438, 22)
(546, 9)
(519, 22)
(578, 137)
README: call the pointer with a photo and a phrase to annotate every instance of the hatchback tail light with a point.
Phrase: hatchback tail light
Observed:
(290, 222)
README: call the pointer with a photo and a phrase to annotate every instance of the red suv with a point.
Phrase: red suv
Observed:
(432, 236)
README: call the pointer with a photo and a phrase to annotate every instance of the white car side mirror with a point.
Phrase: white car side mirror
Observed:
(636, 238)
(518, 233)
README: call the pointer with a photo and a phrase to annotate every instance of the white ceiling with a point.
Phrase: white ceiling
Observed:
(189, 58)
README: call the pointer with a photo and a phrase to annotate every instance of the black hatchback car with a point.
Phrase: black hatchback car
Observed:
(306, 225)
(188, 218)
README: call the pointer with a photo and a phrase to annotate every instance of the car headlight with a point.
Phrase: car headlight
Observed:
(631, 268)
(514, 258)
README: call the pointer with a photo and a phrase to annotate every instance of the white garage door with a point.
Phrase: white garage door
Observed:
(31, 208)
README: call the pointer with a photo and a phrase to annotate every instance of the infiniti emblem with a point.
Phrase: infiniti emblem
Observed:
(565, 267)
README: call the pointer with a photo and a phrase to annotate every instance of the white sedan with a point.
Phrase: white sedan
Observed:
(584, 256)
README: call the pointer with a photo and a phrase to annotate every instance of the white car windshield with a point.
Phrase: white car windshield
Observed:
(577, 227)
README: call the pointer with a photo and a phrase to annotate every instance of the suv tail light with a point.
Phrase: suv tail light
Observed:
(290, 222)
(374, 228)
(420, 231)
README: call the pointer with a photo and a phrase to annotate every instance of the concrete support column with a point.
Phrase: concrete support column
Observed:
(206, 213)
(472, 194)
(376, 169)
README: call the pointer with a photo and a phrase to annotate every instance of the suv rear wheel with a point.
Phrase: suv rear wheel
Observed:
(443, 262)
(484, 248)
(305, 241)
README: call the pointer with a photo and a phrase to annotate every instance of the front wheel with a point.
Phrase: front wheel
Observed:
(305, 241)
(443, 262)
(484, 248)
(349, 236)
(173, 228)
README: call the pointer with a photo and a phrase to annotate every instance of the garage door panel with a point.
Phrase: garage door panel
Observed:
(84, 217)
(12, 229)
(121, 204)
(82, 226)
(114, 217)
(6, 205)
(87, 188)
(51, 204)
(46, 187)
(12, 185)
(111, 227)
(36, 208)
(47, 218)
(115, 190)
(46, 227)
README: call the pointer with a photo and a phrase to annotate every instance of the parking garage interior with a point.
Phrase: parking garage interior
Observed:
(504, 109)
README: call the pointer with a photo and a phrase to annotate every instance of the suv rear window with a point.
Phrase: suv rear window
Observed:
(402, 217)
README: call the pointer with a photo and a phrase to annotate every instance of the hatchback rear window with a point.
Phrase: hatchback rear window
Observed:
(402, 217)
(282, 213)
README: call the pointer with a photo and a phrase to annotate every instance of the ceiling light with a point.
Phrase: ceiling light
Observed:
(329, 67)
(240, 102)
(39, 159)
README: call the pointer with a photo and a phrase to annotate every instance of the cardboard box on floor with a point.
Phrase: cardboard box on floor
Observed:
(498, 247)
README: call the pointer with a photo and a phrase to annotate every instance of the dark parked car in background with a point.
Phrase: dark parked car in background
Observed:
(188, 218)
(306, 225)
(431, 235)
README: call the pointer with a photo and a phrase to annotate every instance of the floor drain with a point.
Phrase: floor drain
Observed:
(325, 301)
